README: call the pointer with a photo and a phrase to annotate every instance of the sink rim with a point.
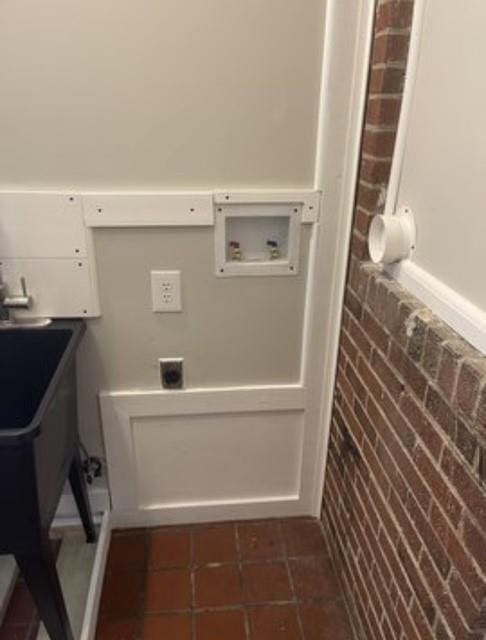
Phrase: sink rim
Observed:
(77, 328)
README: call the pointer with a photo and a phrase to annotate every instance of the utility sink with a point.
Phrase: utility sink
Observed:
(39, 451)
(32, 364)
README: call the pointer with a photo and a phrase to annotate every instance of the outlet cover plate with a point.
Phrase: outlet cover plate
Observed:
(166, 291)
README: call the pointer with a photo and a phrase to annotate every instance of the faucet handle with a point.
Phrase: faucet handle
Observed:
(19, 302)
(23, 284)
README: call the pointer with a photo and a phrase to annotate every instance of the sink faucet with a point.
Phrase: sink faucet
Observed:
(7, 302)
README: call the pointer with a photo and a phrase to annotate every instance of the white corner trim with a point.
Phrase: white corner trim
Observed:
(309, 199)
(327, 343)
(97, 576)
(148, 209)
(459, 313)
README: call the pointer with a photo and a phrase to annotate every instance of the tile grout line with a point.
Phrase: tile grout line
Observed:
(291, 582)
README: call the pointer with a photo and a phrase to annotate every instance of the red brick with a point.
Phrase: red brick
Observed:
(390, 47)
(428, 532)
(462, 598)
(379, 143)
(475, 541)
(370, 198)
(383, 112)
(468, 385)
(420, 620)
(466, 441)
(396, 14)
(375, 331)
(405, 488)
(362, 220)
(408, 370)
(390, 381)
(421, 425)
(360, 338)
(355, 382)
(359, 245)
(407, 625)
(375, 170)
(440, 410)
(459, 557)
(439, 487)
(387, 80)
(469, 490)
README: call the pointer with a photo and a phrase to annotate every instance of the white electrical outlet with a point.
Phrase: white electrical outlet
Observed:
(166, 291)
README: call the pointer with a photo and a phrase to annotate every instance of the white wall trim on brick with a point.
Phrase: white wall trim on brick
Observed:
(461, 315)
(465, 318)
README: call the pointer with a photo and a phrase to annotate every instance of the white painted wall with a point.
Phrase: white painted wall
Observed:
(160, 94)
(187, 95)
(445, 155)
(233, 331)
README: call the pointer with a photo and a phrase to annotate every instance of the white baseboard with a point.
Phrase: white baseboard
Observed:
(97, 576)
(465, 318)
(222, 511)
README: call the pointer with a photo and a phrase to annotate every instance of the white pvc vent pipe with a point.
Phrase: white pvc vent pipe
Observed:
(391, 238)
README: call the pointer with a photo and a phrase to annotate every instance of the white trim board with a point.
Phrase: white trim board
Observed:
(465, 318)
(197, 433)
(165, 209)
(90, 619)
(323, 314)
(184, 208)
(309, 199)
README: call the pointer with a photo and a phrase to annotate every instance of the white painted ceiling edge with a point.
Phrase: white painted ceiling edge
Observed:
(458, 312)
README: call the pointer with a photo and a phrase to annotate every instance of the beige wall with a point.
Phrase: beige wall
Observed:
(443, 174)
(123, 94)
(233, 331)
(160, 94)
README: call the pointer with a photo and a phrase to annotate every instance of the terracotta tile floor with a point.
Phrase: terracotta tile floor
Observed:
(265, 580)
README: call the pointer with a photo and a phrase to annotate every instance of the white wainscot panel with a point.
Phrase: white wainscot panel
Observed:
(60, 288)
(41, 225)
(204, 454)
(193, 459)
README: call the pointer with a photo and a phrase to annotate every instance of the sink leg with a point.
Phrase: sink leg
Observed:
(78, 486)
(39, 572)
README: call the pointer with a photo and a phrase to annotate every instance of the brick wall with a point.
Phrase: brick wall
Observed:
(405, 491)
